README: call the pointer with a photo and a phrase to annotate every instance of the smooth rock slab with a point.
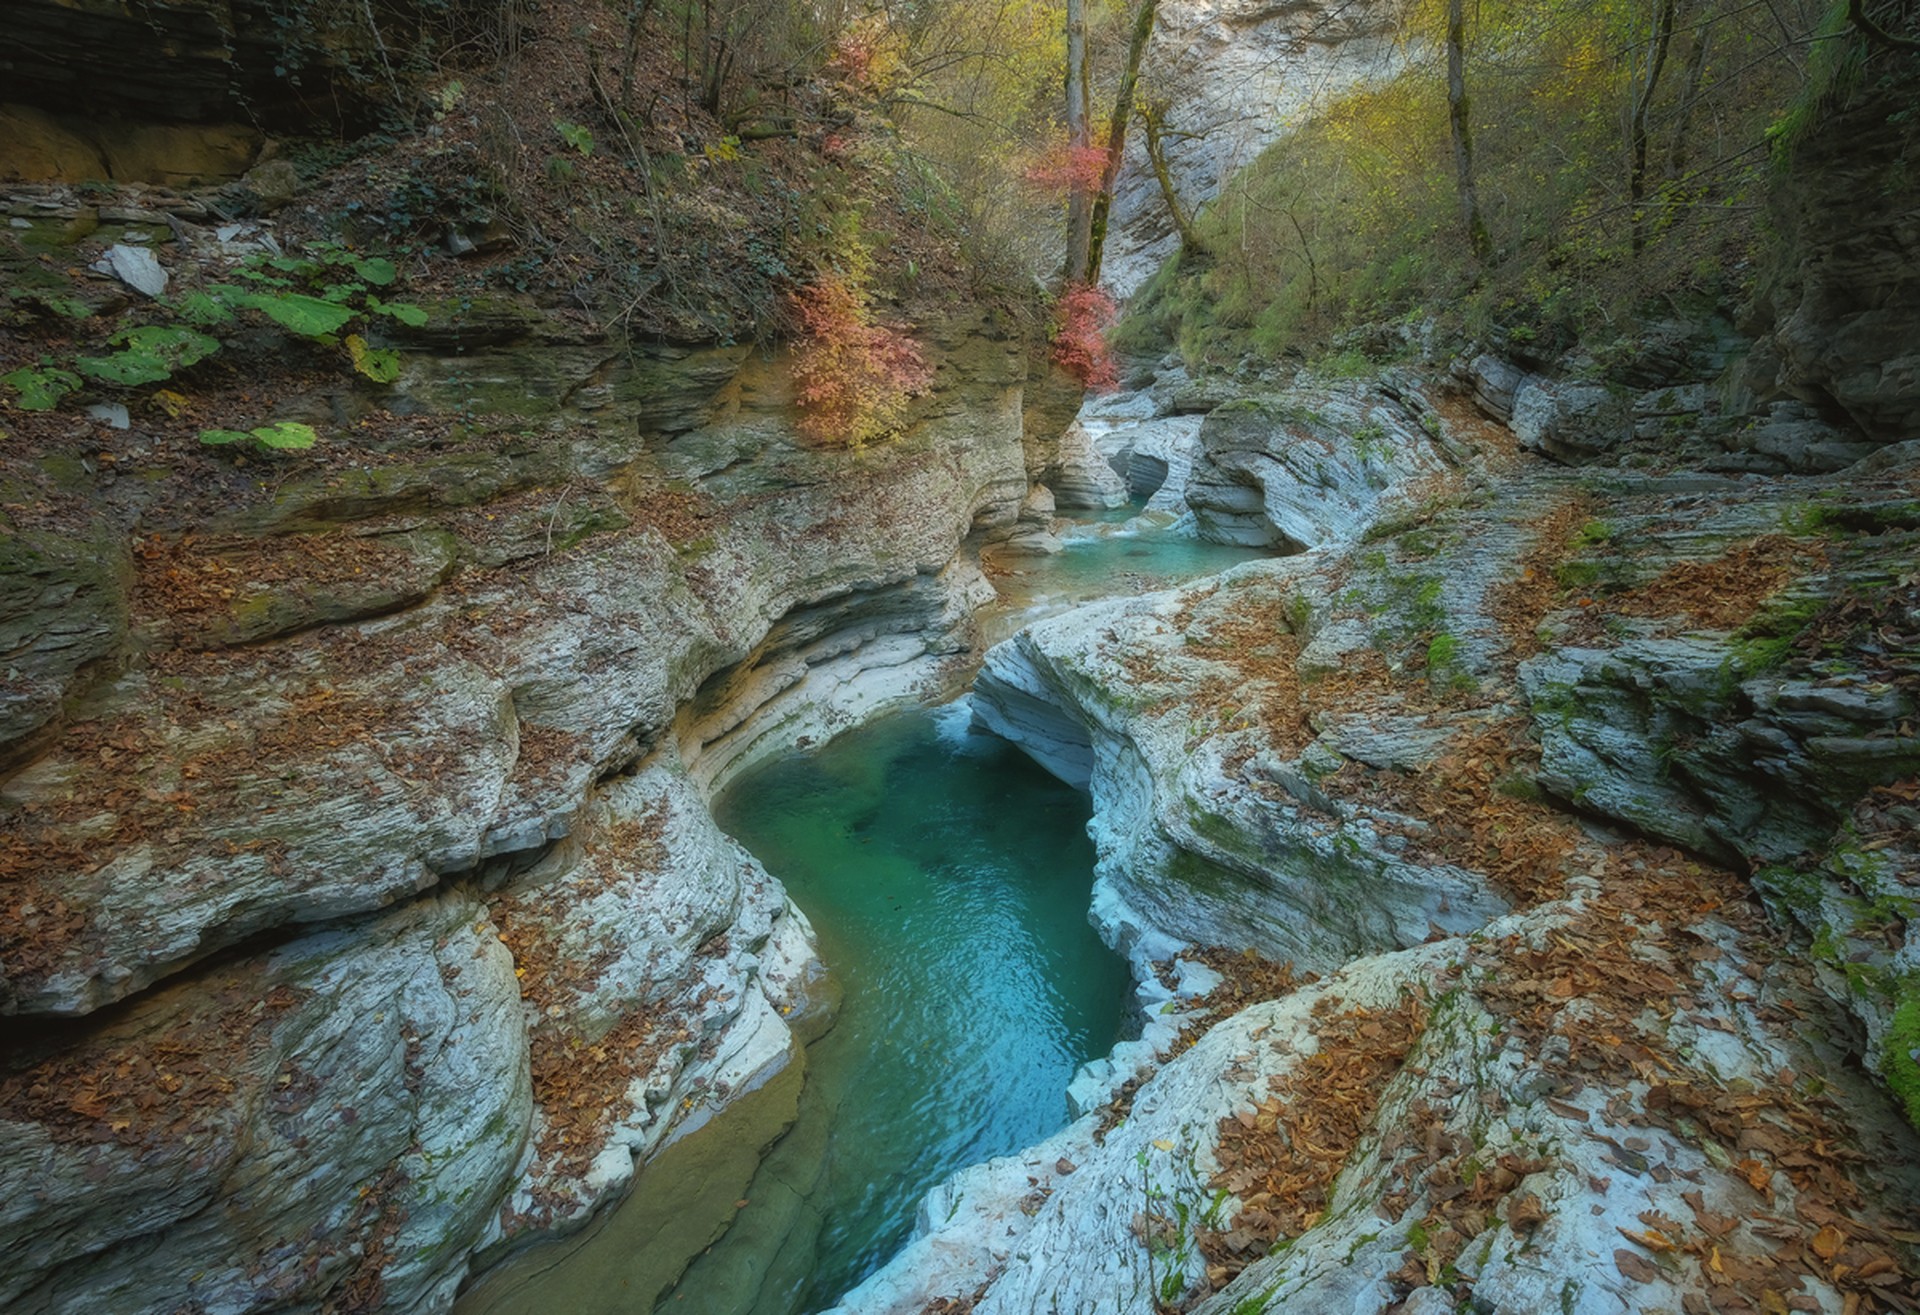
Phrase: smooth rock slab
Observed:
(343, 1111)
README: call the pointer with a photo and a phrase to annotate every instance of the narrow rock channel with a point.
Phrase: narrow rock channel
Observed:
(947, 879)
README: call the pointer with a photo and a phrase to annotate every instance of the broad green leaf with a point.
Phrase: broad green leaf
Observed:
(207, 309)
(300, 313)
(286, 435)
(127, 369)
(407, 314)
(382, 365)
(40, 389)
(377, 270)
(181, 347)
(71, 307)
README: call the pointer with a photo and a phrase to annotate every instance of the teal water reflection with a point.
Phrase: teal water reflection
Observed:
(948, 878)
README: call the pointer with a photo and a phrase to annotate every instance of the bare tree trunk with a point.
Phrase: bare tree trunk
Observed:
(636, 19)
(1117, 133)
(1153, 122)
(1457, 111)
(1306, 249)
(1689, 97)
(1637, 123)
(1080, 137)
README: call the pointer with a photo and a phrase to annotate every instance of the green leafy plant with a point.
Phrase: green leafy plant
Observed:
(575, 135)
(41, 387)
(380, 364)
(317, 295)
(149, 354)
(285, 436)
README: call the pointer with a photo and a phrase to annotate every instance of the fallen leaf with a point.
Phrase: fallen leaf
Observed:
(1652, 1239)
(1634, 1266)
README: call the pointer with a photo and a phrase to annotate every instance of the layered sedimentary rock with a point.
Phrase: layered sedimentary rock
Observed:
(1312, 467)
(1576, 1105)
(376, 810)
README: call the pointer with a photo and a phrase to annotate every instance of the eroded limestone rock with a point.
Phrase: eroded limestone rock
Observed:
(340, 1114)
(1312, 468)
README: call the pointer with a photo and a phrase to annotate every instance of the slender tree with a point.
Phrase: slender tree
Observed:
(1874, 32)
(1153, 123)
(1637, 115)
(1123, 110)
(1457, 112)
(1696, 65)
(1080, 141)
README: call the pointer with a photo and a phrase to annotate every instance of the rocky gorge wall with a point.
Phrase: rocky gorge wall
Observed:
(1238, 74)
(364, 915)
(1586, 790)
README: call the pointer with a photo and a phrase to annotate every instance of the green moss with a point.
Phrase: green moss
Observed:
(1256, 1305)
(1764, 642)
(1797, 888)
(1349, 364)
(1224, 835)
(1900, 1059)
(1417, 545)
(1577, 574)
(1523, 788)
(1593, 533)
(1445, 670)
(1836, 519)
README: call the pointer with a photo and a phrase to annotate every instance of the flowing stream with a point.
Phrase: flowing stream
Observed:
(948, 879)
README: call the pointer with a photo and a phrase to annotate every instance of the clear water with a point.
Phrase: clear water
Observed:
(948, 879)
(1124, 555)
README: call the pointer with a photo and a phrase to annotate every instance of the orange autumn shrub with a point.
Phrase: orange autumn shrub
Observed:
(853, 377)
(1081, 320)
(1064, 167)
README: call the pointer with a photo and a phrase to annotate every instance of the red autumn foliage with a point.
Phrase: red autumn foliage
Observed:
(853, 376)
(1065, 167)
(853, 58)
(1084, 315)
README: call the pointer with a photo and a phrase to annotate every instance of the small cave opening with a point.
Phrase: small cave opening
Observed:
(1145, 475)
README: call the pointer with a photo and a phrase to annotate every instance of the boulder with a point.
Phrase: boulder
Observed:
(1493, 382)
(1312, 469)
(1570, 422)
